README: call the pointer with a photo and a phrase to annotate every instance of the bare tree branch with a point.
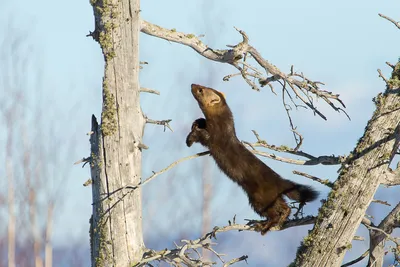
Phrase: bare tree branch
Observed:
(165, 123)
(181, 254)
(88, 182)
(297, 136)
(224, 56)
(275, 157)
(314, 178)
(304, 85)
(147, 90)
(300, 85)
(154, 175)
(390, 65)
(358, 238)
(356, 260)
(396, 23)
(243, 258)
(142, 146)
(313, 160)
(381, 202)
(379, 234)
(383, 77)
(84, 161)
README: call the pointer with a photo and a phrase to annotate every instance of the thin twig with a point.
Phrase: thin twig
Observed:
(85, 160)
(165, 123)
(227, 77)
(390, 65)
(312, 160)
(356, 260)
(287, 108)
(381, 202)
(154, 175)
(383, 77)
(314, 178)
(142, 146)
(358, 238)
(147, 90)
(243, 258)
(88, 182)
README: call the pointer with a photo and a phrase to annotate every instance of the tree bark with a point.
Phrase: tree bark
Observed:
(378, 238)
(360, 176)
(116, 226)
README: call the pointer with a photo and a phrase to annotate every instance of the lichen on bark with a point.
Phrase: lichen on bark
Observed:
(109, 113)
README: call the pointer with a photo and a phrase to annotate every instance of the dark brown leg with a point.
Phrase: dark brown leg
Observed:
(276, 214)
(198, 134)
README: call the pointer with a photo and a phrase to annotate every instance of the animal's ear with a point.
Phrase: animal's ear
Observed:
(214, 99)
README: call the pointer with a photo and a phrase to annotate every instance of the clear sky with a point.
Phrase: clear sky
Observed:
(341, 43)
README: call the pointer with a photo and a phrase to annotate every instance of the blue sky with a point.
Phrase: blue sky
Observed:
(341, 43)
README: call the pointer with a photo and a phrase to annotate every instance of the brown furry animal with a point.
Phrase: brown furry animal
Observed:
(264, 187)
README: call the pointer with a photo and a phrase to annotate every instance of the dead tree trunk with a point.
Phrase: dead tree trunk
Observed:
(116, 227)
(366, 169)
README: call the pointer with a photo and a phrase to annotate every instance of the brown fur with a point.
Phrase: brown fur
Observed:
(264, 187)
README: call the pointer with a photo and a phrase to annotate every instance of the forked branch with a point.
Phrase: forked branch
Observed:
(381, 233)
(310, 159)
(187, 253)
(305, 89)
(165, 123)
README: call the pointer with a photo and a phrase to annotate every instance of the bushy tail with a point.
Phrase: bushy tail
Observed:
(300, 193)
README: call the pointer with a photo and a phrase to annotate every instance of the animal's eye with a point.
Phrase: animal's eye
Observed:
(200, 90)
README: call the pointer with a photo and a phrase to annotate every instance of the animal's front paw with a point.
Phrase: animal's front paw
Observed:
(190, 139)
(198, 134)
(199, 124)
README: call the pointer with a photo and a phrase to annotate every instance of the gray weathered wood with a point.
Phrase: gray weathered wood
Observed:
(341, 214)
(116, 226)
(378, 238)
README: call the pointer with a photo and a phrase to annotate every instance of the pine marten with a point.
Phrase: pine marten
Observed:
(264, 187)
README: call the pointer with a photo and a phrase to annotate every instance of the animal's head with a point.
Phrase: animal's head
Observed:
(211, 101)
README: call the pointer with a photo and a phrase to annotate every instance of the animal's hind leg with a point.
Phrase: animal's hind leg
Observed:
(277, 214)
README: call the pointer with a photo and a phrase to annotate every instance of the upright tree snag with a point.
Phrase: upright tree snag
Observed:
(360, 176)
(116, 226)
